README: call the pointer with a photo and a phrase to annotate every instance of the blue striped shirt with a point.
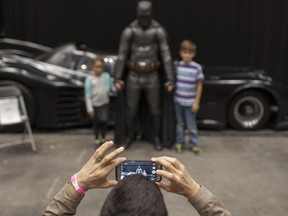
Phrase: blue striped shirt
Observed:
(186, 81)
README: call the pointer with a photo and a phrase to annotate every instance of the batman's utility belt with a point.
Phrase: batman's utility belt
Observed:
(143, 66)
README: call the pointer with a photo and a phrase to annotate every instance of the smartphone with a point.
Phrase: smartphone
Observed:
(145, 168)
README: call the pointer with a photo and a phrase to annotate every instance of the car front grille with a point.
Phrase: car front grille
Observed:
(70, 108)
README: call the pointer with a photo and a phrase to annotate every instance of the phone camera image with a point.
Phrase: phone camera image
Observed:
(145, 168)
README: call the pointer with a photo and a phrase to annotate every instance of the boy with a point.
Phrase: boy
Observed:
(187, 97)
(97, 87)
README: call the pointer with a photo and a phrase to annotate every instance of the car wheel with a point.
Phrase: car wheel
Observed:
(249, 110)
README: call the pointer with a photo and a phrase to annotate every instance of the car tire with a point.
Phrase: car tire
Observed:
(249, 110)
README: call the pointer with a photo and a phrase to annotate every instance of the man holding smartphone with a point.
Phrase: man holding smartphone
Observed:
(94, 175)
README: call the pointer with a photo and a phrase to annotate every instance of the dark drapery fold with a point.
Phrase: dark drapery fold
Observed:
(228, 33)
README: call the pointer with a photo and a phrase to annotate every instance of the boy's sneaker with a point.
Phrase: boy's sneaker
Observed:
(196, 150)
(178, 148)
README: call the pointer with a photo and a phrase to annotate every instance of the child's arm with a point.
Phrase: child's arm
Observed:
(196, 103)
(110, 87)
(88, 101)
(89, 106)
(111, 84)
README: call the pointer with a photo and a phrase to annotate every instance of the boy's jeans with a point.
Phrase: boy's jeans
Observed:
(185, 116)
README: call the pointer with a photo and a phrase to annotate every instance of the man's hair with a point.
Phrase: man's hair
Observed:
(97, 59)
(134, 195)
(188, 45)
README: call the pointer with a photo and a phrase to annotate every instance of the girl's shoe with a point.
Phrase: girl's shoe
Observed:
(98, 141)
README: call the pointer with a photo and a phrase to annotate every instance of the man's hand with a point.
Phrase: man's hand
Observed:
(181, 181)
(94, 173)
(195, 107)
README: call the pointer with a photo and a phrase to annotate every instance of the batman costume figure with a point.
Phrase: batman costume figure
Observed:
(144, 68)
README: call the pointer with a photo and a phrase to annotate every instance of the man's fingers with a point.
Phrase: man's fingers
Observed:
(164, 186)
(109, 183)
(171, 160)
(111, 156)
(165, 174)
(102, 150)
(162, 161)
(174, 161)
(113, 164)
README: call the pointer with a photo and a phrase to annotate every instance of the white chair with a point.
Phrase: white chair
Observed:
(13, 111)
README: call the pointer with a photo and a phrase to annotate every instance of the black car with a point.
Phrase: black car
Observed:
(242, 98)
(22, 48)
(52, 83)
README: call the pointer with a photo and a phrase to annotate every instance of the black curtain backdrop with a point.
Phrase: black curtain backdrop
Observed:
(228, 32)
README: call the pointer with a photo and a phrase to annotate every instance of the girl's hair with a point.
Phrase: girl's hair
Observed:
(98, 59)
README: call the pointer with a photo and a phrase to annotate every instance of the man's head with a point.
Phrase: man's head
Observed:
(187, 50)
(144, 13)
(134, 195)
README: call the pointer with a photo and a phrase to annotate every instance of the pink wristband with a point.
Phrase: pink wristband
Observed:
(76, 185)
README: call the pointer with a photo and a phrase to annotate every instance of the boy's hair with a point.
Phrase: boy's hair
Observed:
(134, 195)
(97, 59)
(188, 45)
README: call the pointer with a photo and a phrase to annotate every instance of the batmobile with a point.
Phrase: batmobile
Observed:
(51, 81)
(242, 98)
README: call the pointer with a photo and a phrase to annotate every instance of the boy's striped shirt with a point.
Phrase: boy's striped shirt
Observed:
(186, 81)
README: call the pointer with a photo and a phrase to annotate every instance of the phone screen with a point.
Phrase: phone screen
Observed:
(145, 168)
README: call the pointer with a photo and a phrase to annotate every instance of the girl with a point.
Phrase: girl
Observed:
(97, 88)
